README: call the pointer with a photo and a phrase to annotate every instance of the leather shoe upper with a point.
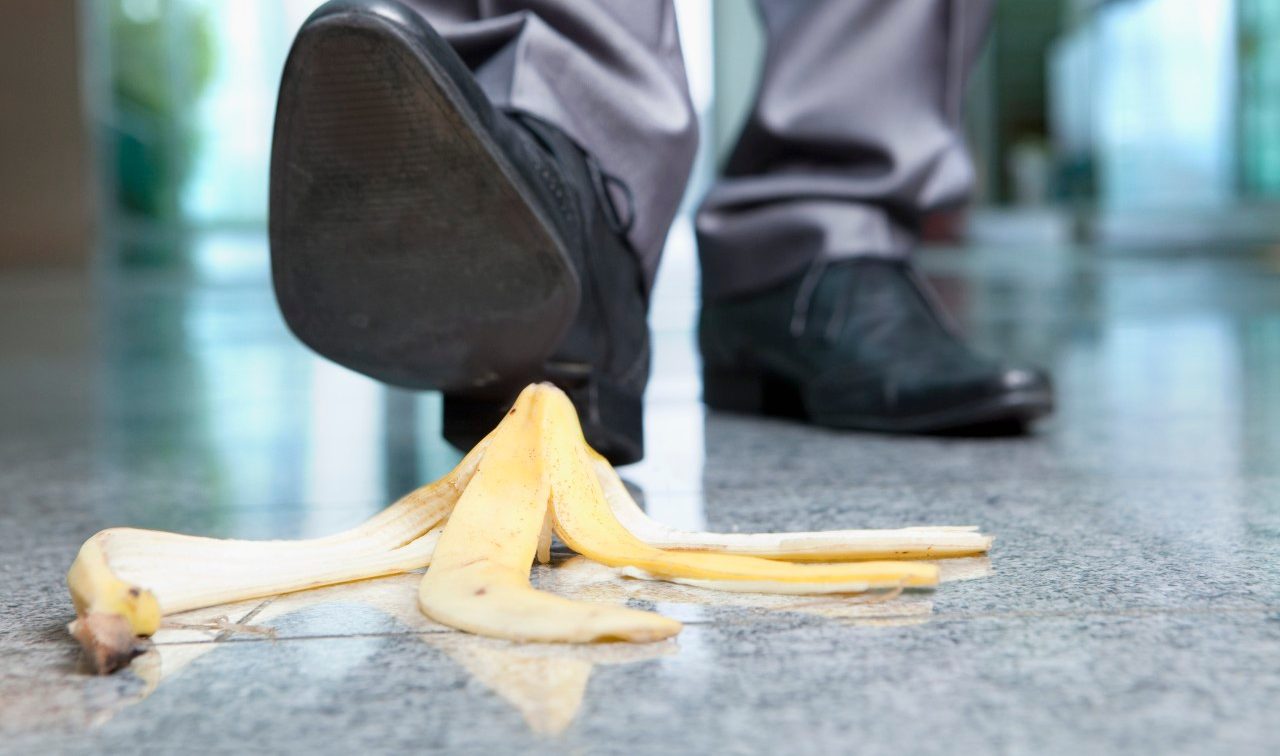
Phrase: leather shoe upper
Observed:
(865, 345)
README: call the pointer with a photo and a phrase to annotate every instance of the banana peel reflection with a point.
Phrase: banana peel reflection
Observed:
(544, 683)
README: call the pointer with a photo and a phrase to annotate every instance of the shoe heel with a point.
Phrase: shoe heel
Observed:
(751, 391)
(466, 420)
(733, 389)
(612, 419)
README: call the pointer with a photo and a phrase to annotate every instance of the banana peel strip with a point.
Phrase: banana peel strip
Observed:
(820, 546)
(479, 528)
(586, 523)
(124, 580)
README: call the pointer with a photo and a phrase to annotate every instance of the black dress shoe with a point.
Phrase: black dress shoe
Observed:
(429, 240)
(860, 344)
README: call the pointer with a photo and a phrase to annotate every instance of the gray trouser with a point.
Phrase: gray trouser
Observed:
(854, 135)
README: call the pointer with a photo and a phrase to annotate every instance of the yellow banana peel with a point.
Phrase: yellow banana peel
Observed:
(478, 530)
(478, 580)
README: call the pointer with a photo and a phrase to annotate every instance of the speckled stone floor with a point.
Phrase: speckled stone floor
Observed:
(1132, 602)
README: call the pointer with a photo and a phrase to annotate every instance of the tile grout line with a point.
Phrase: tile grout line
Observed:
(1138, 612)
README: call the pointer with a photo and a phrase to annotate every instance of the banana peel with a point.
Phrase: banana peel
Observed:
(124, 580)
(586, 523)
(478, 530)
(478, 580)
(927, 542)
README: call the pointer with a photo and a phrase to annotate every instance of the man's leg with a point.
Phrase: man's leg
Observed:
(855, 133)
(854, 136)
(607, 72)
(469, 196)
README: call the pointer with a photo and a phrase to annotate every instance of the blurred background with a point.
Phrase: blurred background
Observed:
(135, 122)
(1123, 234)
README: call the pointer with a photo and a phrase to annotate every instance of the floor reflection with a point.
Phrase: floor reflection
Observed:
(198, 373)
(545, 683)
(177, 399)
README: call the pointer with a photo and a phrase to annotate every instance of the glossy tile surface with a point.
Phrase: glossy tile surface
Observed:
(1132, 602)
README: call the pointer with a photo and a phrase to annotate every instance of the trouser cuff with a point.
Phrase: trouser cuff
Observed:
(747, 249)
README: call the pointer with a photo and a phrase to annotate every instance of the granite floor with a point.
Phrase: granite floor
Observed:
(1131, 604)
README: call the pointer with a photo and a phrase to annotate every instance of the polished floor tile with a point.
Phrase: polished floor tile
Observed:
(1131, 603)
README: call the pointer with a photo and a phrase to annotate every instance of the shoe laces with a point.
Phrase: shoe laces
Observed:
(615, 196)
(834, 327)
(804, 302)
(804, 297)
(608, 187)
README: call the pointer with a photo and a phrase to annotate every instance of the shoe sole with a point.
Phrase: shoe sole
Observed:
(765, 394)
(403, 243)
